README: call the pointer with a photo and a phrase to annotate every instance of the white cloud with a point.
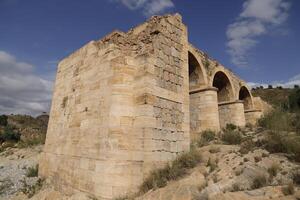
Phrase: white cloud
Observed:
(270, 11)
(149, 7)
(133, 4)
(21, 90)
(256, 19)
(295, 80)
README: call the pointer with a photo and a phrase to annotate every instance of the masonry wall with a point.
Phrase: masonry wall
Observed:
(80, 148)
(119, 112)
(251, 116)
(232, 113)
(165, 86)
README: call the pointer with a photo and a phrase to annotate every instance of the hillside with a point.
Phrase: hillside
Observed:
(274, 96)
(22, 130)
(21, 140)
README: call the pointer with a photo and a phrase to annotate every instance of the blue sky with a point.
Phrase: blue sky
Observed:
(257, 39)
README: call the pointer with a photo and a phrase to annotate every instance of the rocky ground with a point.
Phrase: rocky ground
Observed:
(15, 165)
(225, 173)
(231, 177)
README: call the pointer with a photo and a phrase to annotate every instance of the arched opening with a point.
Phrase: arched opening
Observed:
(245, 96)
(221, 81)
(196, 81)
(195, 73)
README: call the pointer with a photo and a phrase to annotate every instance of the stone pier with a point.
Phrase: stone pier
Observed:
(251, 116)
(232, 113)
(204, 110)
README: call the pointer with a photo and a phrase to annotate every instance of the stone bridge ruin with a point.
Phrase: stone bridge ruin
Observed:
(131, 102)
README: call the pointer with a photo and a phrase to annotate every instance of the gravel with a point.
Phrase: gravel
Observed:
(13, 168)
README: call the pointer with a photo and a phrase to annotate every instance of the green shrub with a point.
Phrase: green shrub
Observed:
(9, 135)
(159, 178)
(294, 100)
(231, 127)
(3, 120)
(36, 140)
(32, 171)
(281, 142)
(296, 123)
(205, 137)
(231, 137)
(208, 135)
(275, 142)
(277, 120)
(31, 190)
(296, 176)
(259, 181)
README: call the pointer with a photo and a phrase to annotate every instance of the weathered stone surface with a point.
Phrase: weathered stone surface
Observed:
(129, 102)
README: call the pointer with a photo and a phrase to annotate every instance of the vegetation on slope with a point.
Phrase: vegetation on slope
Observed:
(279, 97)
(22, 130)
(283, 123)
(178, 168)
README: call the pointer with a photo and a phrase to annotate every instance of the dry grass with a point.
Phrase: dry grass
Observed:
(32, 171)
(288, 190)
(178, 168)
(257, 159)
(247, 146)
(273, 170)
(235, 187)
(259, 181)
(212, 164)
(31, 190)
(277, 120)
(214, 150)
(232, 137)
(283, 142)
(29, 142)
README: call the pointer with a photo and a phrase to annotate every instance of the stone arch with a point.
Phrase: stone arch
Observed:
(246, 97)
(197, 73)
(224, 85)
(202, 103)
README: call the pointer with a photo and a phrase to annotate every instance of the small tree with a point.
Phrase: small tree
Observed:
(270, 87)
(3, 120)
(294, 100)
(296, 86)
(10, 135)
